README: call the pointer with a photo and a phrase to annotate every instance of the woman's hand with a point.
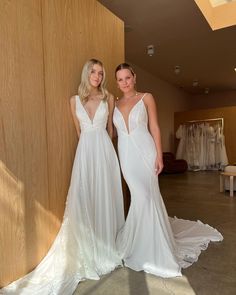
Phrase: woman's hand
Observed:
(158, 165)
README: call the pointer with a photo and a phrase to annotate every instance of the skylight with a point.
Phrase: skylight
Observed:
(215, 3)
(219, 13)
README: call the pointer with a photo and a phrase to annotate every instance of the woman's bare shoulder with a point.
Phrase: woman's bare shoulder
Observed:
(73, 97)
(73, 101)
(148, 97)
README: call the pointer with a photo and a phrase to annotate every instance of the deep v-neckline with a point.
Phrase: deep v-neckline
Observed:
(128, 117)
(83, 107)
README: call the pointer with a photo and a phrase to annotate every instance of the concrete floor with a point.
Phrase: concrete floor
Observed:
(194, 195)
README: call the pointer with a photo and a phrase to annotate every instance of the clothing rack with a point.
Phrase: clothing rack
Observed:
(208, 120)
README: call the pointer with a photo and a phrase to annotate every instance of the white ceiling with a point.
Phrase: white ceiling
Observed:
(182, 37)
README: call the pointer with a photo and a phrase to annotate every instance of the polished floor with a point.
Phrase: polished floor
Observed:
(193, 195)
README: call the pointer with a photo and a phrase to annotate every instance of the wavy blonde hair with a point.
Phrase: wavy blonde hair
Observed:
(85, 87)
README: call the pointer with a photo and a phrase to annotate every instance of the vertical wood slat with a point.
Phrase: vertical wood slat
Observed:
(44, 45)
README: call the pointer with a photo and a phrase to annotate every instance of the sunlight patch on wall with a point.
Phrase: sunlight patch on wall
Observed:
(11, 191)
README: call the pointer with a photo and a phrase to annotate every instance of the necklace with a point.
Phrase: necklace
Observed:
(127, 97)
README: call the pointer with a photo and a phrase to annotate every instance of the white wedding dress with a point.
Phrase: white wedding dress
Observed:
(85, 245)
(150, 240)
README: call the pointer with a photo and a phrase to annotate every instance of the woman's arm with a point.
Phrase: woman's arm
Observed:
(154, 129)
(76, 121)
(111, 105)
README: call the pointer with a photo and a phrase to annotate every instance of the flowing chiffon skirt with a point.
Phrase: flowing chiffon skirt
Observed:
(85, 246)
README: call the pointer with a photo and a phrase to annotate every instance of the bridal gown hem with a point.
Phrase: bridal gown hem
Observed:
(150, 240)
(85, 246)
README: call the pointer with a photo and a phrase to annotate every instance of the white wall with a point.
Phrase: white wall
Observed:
(169, 100)
(213, 100)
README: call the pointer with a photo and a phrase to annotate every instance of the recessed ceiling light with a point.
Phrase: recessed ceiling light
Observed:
(150, 50)
(235, 69)
(177, 70)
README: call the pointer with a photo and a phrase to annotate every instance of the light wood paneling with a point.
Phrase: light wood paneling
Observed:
(229, 115)
(44, 45)
(23, 165)
(74, 31)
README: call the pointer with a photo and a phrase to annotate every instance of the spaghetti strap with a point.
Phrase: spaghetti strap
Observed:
(143, 96)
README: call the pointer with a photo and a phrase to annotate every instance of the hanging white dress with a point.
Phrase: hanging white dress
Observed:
(85, 245)
(223, 154)
(211, 161)
(202, 145)
(180, 134)
(150, 240)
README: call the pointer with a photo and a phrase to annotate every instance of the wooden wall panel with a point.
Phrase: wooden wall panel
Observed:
(23, 165)
(44, 45)
(74, 31)
(229, 115)
(109, 37)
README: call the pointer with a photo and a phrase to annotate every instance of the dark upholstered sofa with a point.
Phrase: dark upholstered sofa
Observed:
(171, 165)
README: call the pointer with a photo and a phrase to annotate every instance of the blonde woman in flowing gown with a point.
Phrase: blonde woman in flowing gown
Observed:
(85, 245)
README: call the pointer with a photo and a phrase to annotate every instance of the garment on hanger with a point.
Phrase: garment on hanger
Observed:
(202, 145)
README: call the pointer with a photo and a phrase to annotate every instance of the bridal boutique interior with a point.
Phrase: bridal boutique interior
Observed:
(43, 47)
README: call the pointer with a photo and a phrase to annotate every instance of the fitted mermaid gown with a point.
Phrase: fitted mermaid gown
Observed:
(85, 245)
(150, 240)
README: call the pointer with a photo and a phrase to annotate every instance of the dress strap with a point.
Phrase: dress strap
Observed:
(78, 100)
(143, 96)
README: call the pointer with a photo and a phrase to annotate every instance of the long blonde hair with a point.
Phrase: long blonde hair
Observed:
(85, 87)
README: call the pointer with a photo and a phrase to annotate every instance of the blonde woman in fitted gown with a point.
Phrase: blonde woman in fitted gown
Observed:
(150, 240)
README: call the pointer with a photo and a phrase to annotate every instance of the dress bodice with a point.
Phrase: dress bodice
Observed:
(137, 119)
(99, 120)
